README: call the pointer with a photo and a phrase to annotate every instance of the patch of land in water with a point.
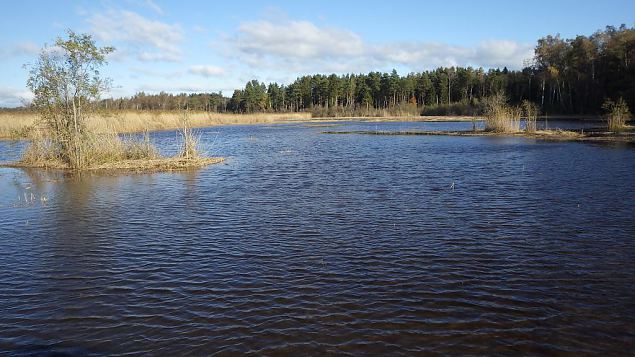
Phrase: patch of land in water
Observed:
(598, 135)
(428, 118)
(142, 165)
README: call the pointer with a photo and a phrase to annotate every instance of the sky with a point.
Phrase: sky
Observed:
(209, 46)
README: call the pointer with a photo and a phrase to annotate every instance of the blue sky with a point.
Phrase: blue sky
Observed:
(192, 46)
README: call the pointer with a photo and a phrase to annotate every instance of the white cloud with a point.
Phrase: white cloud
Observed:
(488, 54)
(301, 46)
(153, 6)
(207, 71)
(427, 55)
(19, 49)
(503, 53)
(177, 88)
(200, 29)
(11, 97)
(297, 39)
(159, 56)
(150, 40)
(139, 72)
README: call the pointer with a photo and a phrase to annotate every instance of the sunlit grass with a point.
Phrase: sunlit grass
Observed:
(17, 124)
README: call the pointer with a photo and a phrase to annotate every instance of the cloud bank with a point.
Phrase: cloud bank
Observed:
(19, 49)
(11, 97)
(151, 40)
(305, 47)
(207, 71)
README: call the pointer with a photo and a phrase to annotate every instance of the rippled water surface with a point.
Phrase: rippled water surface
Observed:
(304, 243)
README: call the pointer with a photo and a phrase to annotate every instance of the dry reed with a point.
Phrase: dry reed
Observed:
(19, 123)
(111, 151)
(530, 112)
(500, 116)
(98, 149)
(189, 147)
(616, 114)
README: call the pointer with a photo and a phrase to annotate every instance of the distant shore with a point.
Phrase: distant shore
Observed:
(16, 124)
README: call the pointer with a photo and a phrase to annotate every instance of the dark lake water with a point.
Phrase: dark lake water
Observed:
(304, 243)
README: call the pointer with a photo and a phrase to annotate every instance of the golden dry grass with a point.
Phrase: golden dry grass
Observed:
(137, 121)
(108, 152)
(97, 149)
(15, 124)
(501, 117)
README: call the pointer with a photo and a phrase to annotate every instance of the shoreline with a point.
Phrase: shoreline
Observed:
(167, 164)
(150, 124)
(428, 118)
(14, 126)
(628, 136)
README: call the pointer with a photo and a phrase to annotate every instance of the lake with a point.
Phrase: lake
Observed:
(303, 243)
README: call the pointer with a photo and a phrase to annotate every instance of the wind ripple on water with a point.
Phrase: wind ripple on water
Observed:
(312, 244)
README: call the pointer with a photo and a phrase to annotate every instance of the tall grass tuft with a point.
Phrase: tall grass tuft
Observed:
(500, 116)
(616, 114)
(530, 112)
(189, 148)
(42, 151)
(97, 149)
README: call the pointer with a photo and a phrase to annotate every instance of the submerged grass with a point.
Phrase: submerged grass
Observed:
(133, 165)
(158, 164)
(556, 135)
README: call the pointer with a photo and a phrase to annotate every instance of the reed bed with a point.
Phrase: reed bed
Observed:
(113, 151)
(16, 124)
(499, 116)
(617, 113)
(530, 112)
(19, 123)
(97, 149)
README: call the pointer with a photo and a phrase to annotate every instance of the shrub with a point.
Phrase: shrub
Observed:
(500, 116)
(616, 114)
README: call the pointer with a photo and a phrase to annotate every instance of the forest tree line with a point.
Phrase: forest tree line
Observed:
(566, 76)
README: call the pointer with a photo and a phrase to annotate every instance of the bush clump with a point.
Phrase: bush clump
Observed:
(616, 114)
(500, 116)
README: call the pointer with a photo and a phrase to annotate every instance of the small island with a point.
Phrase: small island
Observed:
(502, 119)
(66, 83)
